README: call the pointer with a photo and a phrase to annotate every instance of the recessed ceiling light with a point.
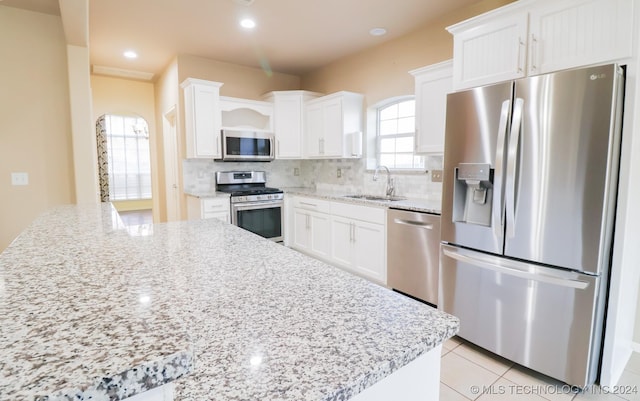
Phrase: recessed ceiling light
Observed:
(377, 31)
(248, 23)
(130, 54)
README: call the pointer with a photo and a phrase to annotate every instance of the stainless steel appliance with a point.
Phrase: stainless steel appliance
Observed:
(242, 145)
(254, 206)
(413, 242)
(530, 180)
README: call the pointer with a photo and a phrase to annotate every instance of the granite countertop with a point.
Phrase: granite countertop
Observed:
(86, 309)
(413, 204)
(208, 194)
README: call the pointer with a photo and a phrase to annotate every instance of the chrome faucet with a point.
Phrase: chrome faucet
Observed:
(390, 188)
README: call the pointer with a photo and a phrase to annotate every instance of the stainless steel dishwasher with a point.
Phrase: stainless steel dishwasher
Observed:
(413, 253)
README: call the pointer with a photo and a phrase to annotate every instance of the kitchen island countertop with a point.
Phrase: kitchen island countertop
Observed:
(88, 309)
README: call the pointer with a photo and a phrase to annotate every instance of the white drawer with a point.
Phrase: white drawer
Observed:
(222, 215)
(319, 205)
(375, 215)
(213, 205)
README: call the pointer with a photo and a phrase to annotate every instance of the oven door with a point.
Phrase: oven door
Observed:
(262, 218)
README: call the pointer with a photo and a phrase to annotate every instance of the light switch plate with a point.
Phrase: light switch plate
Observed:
(436, 175)
(19, 178)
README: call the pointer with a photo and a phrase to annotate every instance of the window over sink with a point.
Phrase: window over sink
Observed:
(395, 134)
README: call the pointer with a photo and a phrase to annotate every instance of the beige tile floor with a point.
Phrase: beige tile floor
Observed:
(465, 366)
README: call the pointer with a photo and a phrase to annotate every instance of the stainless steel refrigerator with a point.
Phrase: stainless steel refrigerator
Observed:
(528, 210)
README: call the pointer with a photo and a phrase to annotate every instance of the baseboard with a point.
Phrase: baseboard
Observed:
(635, 347)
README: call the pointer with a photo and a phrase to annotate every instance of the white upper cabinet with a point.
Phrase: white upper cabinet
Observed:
(433, 83)
(202, 118)
(288, 121)
(569, 33)
(531, 37)
(492, 51)
(334, 126)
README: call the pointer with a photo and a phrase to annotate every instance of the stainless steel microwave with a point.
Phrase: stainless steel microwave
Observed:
(245, 145)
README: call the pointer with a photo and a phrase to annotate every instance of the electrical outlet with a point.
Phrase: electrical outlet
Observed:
(19, 178)
(436, 175)
(296, 171)
(339, 173)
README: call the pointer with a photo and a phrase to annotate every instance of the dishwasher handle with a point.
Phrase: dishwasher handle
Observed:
(413, 223)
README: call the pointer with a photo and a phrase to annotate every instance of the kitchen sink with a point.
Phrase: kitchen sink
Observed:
(376, 197)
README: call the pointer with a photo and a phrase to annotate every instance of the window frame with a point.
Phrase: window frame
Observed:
(377, 109)
(140, 188)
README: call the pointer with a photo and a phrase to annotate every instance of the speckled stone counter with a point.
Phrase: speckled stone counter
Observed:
(208, 194)
(417, 205)
(86, 310)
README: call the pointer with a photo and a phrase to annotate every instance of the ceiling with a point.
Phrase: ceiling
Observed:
(291, 36)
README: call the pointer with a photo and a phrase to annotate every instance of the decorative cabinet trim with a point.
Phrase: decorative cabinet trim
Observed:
(246, 114)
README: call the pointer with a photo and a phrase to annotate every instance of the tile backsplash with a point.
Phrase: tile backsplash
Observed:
(199, 176)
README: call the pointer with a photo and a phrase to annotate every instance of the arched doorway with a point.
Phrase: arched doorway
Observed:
(124, 166)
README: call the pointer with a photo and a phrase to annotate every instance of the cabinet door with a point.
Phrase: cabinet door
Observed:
(314, 128)
(369, 250)
(493, 52)
(569, 33)
(301, 227)
(202, 118)
(288, 126)
(342, 241)
(432, 86)
(320, 234)
(333, 131)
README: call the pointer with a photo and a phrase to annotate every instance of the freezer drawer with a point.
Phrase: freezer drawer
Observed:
(413, 240)
(539, 317)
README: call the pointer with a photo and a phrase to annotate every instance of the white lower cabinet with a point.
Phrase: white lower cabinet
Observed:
(208, 208)
(311, 226)
(311, 232)
(344, 234)
(359, 244)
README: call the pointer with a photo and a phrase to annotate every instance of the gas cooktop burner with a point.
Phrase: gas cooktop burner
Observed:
(252, 191)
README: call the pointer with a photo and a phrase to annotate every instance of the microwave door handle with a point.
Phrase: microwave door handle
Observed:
(512, 158)
(272, 150)
(498, 203)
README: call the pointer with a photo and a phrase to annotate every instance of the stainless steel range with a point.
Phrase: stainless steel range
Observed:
(254, 206)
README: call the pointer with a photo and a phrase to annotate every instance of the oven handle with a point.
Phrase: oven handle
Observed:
(258, 205)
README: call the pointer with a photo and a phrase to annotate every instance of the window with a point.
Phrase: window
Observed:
(129, 160)
(396, 124)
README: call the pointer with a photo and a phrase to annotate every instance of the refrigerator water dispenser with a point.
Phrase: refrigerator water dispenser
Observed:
(472, 193)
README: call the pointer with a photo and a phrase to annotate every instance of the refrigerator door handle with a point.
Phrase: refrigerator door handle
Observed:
(514, 268)
(498, 203)
(512, 158)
